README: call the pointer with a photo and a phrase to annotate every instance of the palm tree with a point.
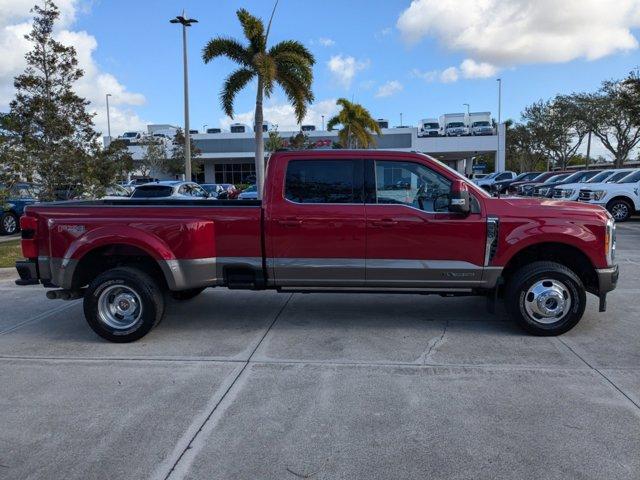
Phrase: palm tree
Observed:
(357, 125)
(288, 64)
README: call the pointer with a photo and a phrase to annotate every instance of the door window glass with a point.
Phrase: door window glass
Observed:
(323, 181)
(411, 184)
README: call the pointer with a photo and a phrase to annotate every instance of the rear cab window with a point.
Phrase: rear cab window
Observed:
(324, 181)
(155, 191)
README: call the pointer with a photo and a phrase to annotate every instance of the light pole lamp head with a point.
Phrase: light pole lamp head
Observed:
(184, 20)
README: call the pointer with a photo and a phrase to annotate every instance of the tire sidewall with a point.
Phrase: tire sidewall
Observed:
(623, 202)
(578, 304)
(142, 326)
(2, 218)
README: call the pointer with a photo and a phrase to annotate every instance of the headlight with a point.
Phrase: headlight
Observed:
(599, 194)
(567, 193)
(610, 241)
(543, 191)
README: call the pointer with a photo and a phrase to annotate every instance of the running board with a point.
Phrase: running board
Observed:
(421, 291)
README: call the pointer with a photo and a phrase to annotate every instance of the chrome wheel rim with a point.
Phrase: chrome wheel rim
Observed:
(9, 224)
(620, 211)
(547, 301)
(119, 307)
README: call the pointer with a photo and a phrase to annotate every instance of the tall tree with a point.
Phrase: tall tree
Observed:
(110, 164)
(356, 123)
(48, 121)
(558, 128)
(154, 159)
(611, 118)
(175, 162)
(523, 149)
(288, 64)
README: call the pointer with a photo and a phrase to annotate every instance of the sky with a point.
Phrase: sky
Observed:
(421, 58)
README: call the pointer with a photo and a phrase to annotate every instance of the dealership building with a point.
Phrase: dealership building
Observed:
(229, 157)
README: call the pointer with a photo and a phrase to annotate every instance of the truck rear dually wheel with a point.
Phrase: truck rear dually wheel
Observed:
(545, 298)
(123, 304)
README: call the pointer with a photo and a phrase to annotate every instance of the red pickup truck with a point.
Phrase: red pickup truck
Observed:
(330, 221)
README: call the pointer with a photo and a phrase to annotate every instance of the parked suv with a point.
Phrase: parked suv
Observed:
(570, 191)
(581, 176)
(621, 199)
(19, 196)
(502, 186)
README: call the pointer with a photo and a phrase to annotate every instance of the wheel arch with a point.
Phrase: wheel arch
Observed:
(558, 252)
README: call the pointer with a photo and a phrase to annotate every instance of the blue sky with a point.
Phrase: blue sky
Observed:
(136, 47)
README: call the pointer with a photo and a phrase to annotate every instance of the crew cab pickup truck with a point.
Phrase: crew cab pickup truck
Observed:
(330, 221)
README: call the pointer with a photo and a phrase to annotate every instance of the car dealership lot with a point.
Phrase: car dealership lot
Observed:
(264, 385)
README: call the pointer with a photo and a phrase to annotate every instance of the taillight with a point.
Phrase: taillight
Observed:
(29, 228)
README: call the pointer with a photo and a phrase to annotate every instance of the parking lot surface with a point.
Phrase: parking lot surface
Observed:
(261, 385)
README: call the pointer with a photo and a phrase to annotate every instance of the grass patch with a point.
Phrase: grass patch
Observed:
(9, 253)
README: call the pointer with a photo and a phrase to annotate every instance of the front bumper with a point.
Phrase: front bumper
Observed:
(607, 279)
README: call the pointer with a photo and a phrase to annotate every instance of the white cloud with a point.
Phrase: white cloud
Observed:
(15, 22)
(344, 68)
(390, 88)
(326, 42)
(283, 115)
(511, 32)
(385, 32)
(472, 69)
(467, 69)
(449, 75)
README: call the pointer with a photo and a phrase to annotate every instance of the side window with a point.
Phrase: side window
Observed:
(411, 184)
(197, 191)
(324, 181)
(504, 176)
(183, 190)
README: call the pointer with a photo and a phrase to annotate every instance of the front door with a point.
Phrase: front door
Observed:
(412, 239)
(316, 227)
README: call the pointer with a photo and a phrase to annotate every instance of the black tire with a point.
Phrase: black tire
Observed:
(187, 294)
(123, 281)
(9, 223)
(620, 209)
(546, 276)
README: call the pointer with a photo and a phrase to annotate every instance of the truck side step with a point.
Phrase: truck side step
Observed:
(243, 278)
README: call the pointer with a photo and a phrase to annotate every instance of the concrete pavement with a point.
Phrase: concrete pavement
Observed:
(245, 385)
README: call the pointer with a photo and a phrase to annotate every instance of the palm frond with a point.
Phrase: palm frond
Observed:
(232, 85)
(253, 29)
(293, 47)
(266, 67)
(294, 64)
(226, 47)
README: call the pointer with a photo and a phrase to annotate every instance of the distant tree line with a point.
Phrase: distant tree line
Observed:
(554, 133)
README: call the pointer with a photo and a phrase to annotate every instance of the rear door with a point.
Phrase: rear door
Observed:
(412, 239)
(316, 225)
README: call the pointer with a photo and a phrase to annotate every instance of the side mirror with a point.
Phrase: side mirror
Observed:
(459, 201)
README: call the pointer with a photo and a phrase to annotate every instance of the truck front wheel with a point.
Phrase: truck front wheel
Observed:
(123, 304)
(545, 298)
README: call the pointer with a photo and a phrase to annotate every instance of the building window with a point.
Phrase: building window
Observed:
(236, 173)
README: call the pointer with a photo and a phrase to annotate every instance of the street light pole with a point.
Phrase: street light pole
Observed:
(401, 119)
(185, 22)
(499, 99)
(204, 128)
(108, 120)
(322, 122)
(466, 105)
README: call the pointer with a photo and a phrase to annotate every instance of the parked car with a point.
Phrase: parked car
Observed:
(19, 195)
(621, 199)
(249, 193)
(488, 181)
(116, 191)
(480, 123)
(325, 224)
(528, 189)
(135, 182)
(171, 189)
(546, 190)
(525, 188)
(132, 138)
(213, 189)
(502, 186)
(429, 127)
(570, 191)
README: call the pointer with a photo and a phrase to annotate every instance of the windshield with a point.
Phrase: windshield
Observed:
(129, 134)
(526, 176)
(556, 178)
(631, 178)
(431, 125)
(456, 124)
(480, 124)
(616, 177)
(601, 177)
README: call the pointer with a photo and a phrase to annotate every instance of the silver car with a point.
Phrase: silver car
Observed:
(171, 189)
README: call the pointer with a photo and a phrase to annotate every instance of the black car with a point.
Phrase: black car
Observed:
(546, 189)
(504, 185)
